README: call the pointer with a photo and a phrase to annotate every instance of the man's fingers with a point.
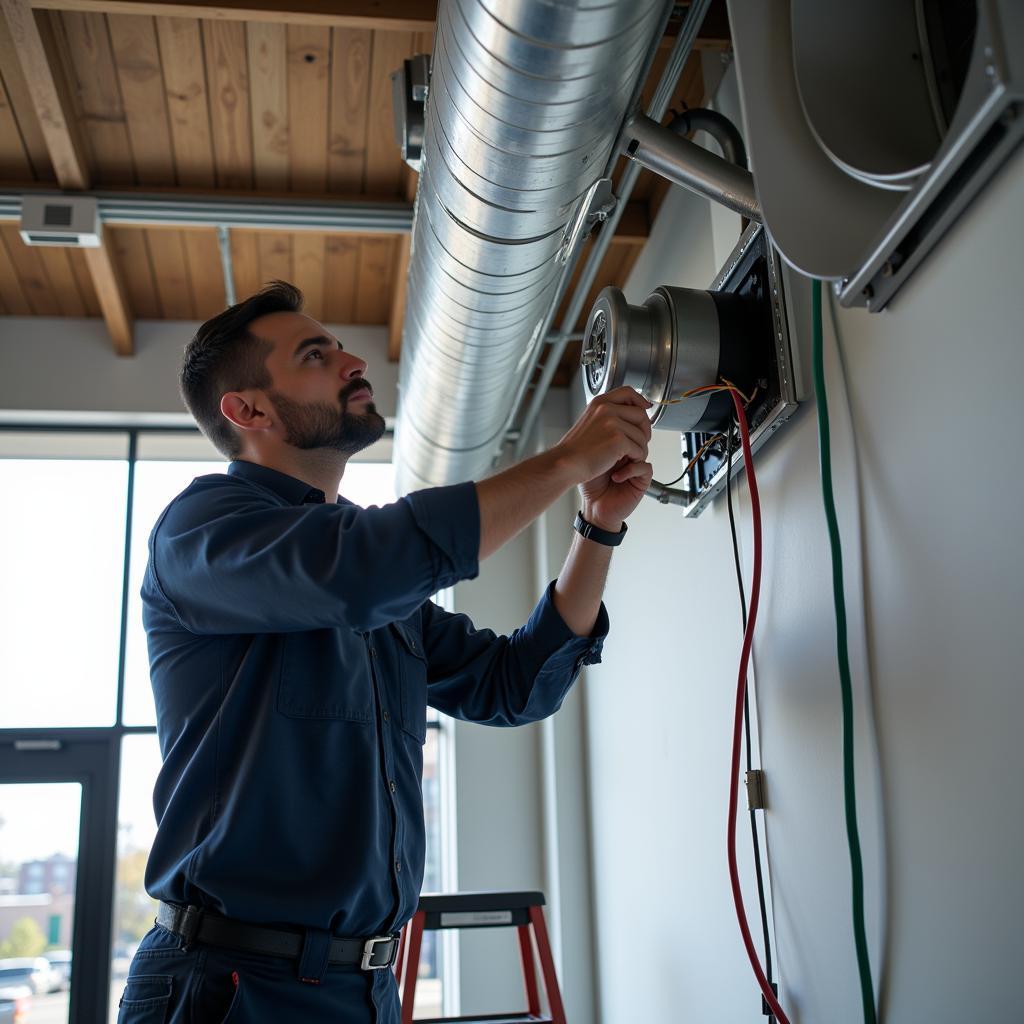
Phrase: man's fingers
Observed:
(644, 471)
(634, 414)
(627, 396)
(637, 436)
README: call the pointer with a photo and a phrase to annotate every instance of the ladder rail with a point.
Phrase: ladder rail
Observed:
(523, 911)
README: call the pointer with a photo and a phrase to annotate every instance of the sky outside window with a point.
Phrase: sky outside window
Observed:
(62, 552)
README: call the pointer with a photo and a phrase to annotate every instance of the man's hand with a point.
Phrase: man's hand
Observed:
(612, 497)
(608, 447)
(604, 453)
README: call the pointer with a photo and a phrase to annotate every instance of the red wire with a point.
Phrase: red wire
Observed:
(737, 732)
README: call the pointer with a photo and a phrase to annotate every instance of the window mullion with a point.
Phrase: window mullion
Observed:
(133, 440)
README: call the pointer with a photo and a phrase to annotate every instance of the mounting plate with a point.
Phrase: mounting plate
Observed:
(752, 269)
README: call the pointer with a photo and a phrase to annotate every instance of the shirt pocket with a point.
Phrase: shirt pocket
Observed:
(412, 663)
(325, 674)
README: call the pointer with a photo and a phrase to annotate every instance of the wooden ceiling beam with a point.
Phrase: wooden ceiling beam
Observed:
(50, 93)
(112, 299)
(51, 96)
(392, 16)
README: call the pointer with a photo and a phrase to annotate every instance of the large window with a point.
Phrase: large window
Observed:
(78, 750)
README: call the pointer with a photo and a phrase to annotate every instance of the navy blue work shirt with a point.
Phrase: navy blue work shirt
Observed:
(293, 652)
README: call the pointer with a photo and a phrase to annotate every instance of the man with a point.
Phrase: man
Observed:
(293, 653)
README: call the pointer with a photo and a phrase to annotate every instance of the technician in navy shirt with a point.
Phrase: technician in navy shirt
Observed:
(294, 649)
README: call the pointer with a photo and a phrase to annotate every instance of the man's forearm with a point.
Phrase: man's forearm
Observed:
(581, 583)
(512, 499)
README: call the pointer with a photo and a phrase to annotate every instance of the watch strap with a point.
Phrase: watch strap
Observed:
(595, 533)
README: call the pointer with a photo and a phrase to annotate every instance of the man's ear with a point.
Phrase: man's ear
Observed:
(245, 410)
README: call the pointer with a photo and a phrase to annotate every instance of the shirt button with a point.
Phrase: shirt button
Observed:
(391, 785)
(373, 652)
(398, 865)
(387, 716)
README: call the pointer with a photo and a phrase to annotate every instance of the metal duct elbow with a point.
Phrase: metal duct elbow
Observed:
(525, 103)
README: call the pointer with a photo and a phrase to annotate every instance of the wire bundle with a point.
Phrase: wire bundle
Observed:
(741, 690)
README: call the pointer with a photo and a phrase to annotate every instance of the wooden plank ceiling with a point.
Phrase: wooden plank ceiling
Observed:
(254, 100)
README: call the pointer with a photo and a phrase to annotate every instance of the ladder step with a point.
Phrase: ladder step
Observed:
(488, 1018)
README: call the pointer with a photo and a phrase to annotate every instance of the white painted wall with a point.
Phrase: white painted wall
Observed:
(522, 801)
(62, 365)
(935, 587)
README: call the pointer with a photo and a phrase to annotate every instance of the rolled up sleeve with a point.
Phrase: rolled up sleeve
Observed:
(450, 517)
(479, 676)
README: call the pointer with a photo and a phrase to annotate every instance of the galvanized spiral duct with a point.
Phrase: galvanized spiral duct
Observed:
(526, 100)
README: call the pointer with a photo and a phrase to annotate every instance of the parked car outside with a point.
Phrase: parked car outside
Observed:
(60, 961)
(15, 1004)
(34, 971)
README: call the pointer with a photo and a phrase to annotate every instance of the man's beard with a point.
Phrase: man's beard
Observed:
(311, 425)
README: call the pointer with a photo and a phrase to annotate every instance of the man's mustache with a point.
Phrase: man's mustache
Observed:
(360, 384)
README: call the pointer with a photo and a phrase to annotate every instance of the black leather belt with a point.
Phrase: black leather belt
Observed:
(194, 924)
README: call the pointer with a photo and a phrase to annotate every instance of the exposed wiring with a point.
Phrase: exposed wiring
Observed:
(726, 385)
(700, 454)
(737, 733)
(755, 841)
(732, 528)
(704, 389)
(835, 544)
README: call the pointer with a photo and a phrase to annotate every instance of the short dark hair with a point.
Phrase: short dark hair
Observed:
(226, 356)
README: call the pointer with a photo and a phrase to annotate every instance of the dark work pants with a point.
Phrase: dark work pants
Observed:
(213, 985)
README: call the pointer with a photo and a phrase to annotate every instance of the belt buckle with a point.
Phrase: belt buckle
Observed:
(368, 951)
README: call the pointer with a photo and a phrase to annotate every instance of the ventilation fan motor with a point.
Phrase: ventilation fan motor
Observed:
(679, 339)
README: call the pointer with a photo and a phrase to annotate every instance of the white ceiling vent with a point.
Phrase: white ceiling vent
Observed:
(60, 220)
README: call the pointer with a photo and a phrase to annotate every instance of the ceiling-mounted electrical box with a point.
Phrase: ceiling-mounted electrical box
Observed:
(872, 126)
(682, 338)
(61, 220)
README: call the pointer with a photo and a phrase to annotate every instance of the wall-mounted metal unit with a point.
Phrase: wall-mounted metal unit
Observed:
(682, 338)
(872, 126)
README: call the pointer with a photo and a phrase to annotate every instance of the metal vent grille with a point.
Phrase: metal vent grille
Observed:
(57, 216)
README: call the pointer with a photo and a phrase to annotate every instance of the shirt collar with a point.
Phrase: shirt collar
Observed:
(294, 491)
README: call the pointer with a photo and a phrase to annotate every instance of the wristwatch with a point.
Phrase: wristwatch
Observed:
(592, 532)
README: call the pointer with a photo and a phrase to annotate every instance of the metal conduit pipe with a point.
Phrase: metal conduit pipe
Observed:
(228, 270)
(718, 126)
(685, 163)
(656, 110)
(525, 102)
(131, 209)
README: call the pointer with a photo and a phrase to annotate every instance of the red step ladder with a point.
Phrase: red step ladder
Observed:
(520, 910)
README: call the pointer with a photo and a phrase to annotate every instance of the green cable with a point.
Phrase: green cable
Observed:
(849, 785)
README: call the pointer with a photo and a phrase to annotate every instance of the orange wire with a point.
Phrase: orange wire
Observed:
(703, 448)
(706, 389)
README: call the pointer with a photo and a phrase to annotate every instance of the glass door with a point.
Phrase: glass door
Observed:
(56, 796)
(39, 824)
